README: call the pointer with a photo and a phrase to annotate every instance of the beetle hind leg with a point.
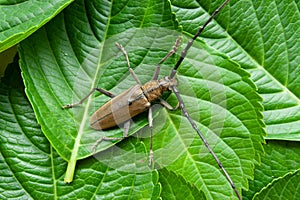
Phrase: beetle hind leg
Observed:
(125, 134)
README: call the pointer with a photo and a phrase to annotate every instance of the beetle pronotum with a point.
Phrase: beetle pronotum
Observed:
(137, 99)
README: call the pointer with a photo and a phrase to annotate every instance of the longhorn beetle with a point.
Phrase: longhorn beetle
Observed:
(137, 99)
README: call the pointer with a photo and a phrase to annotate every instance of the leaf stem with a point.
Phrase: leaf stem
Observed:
(70, 171)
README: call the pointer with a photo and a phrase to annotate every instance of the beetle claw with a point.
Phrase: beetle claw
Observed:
(151, 159)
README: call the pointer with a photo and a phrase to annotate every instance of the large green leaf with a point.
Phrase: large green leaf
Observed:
(31, 168)
(263, 37)
(75, 52)
(21, 18)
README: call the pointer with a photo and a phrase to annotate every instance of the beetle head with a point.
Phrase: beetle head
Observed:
(166, 83)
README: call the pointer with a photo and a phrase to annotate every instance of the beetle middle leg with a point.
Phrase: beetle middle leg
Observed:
(125, 134)
(150, 119)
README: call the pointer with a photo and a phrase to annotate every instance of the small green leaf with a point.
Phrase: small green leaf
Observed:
(281, 158)
(286, 187)
(21, 19)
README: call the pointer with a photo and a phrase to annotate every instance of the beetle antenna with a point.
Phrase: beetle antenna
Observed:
(181, 105)
(188, 46)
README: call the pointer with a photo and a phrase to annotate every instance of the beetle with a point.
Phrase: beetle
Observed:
(139, 98)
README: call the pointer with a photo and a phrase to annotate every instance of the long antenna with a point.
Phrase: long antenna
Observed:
(181, 104)
(188, 46)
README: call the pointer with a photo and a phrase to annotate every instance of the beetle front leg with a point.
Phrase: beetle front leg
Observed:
(128, 64)
(174, 49)
(101, 90)
(125, 134)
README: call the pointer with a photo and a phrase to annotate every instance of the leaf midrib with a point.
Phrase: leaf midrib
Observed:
(89, 99)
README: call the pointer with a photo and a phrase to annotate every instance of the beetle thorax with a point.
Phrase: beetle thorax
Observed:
(153, 90)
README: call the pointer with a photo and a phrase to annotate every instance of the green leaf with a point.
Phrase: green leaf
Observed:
(263, 37)
(286, 188)
(31, 168)
(281, 158)
(25, 152)
(75, 52)
(19, 19)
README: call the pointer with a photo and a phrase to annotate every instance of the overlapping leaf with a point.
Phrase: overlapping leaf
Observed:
(281, 159)
(286, 187)
(19, 19)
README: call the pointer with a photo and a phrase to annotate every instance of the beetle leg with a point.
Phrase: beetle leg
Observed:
(103, 91)
(128, 64)
(168, 106)
(150, 119)
(126, 129)
(174, 49)
(125, 134)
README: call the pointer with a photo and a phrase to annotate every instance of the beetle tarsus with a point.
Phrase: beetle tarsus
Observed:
(67, 106)
(151, 159)
(96, 144)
